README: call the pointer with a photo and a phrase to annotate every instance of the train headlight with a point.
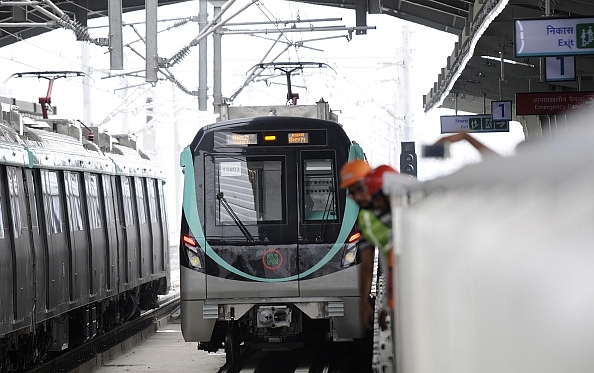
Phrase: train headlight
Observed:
(195, 258)
(195, 261)
(350, 257)
(350, 254)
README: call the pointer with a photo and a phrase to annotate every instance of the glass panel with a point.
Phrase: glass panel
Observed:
(51, 197)
(161, 195)
(93, 201)
(15, 207)
(319, 197)
(108, 198)
(74, 204)
(1, 218)
(150, 186)
(251, 189)
(140, 201)
(127, 197)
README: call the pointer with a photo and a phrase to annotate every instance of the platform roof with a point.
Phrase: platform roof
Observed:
(476, 80)
(468, 82)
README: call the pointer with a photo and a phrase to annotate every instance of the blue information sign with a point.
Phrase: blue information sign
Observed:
(472, 123)
(553, 37)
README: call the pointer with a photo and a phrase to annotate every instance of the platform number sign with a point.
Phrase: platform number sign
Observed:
(560, 69)
(501, 110)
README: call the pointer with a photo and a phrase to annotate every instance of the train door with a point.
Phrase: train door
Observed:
(6, 264)
(111, 221)
(146, 243)
(319, 219)
(58, 267)
(131, 257)
(23, 255)
(157, 232)
(79, 243)
(162, 214)
(99, 251)
(35, 201)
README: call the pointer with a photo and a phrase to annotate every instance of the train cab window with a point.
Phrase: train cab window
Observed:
(319, 194)
(52, 202)
(15, 207)
(73, 200)
(249, 190)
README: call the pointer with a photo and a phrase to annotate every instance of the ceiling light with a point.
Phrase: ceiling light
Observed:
(511, 62)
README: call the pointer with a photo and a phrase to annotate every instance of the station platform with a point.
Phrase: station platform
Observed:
(160, 349)
(164, 350)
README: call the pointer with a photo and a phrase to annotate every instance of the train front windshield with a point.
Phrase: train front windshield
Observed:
(262, 191)
(249, 188)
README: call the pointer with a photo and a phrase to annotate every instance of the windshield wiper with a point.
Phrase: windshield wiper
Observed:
(235, 218)
(327, 213)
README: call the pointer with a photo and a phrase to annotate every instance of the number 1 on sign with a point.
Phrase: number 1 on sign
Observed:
(561, 68)
(501, 110)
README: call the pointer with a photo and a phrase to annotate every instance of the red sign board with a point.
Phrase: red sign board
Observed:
(551, 103)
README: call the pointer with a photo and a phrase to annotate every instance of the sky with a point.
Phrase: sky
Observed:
(374, 82)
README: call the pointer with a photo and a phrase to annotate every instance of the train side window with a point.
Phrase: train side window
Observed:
(127, 197)
(51, 198)
(15, 207)
(319, 194)
(108, 200)
(152, 200)
(140, 200)
(73, 200)
(161, 195)
(251, 189)
(1, 220)
(93, 200)
(1, 216)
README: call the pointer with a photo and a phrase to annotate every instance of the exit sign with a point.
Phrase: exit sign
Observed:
(472, 123)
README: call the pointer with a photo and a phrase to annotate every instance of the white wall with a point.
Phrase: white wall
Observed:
(496, 264)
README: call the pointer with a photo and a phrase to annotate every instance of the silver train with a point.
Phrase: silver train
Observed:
(268, 250)
(83, 235)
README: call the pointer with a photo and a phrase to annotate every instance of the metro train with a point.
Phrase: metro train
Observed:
(83, 236)
(268, 247)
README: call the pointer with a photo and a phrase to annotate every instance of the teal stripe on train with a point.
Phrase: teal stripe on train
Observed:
(190, 208)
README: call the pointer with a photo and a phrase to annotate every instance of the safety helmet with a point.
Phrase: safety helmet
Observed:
(375, 178)
(352, 171)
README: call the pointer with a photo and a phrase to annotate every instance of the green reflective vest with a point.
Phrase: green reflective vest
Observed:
(375, 231)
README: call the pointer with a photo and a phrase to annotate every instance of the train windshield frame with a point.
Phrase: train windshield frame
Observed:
(249, 189)
(319, 191)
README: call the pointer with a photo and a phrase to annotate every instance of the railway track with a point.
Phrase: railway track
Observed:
(84, 358)
(345, 357)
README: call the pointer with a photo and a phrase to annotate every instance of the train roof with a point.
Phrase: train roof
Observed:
(268, 122)
(60, 144)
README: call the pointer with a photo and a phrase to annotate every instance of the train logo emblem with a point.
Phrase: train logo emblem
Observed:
(272, 259)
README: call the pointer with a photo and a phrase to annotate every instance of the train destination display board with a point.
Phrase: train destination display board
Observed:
(553, 37)
(472, 123)
(551, 103)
